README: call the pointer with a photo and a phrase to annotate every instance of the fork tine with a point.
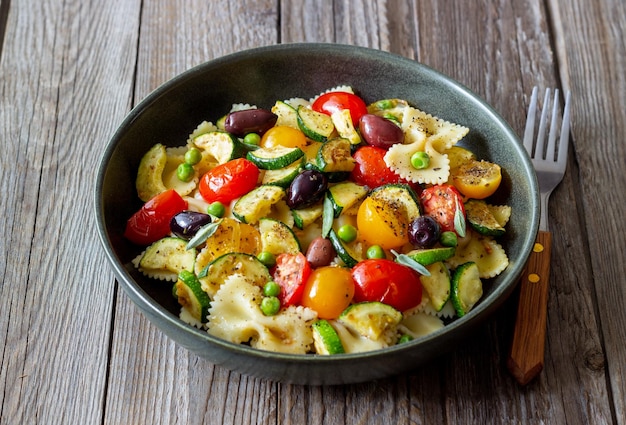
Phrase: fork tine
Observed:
(564, 140)
(553, 123)
(541, 134)
(530, 122)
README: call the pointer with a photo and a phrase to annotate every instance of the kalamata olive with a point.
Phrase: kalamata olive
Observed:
(424, 232)
(247, 121)
(320, 252)
(380, 132)
(306, 189)
(186, 224)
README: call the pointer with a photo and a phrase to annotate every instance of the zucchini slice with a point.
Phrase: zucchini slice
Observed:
(275, 157)
(430, 256)
(342, 120)
(481, 219)
(399, 197)
(305, 216)
(370, 319)
(326, 339)
(344, 251)
(166, 256)
(437, 285)
(248, 266)
(149, 181)
(315, 125)
(283, 176)
(345, 195)
(286, 114)
(467, 288)
(277, 237)
(335, 156)
(221, 145)
(257, 203)
(191, 296)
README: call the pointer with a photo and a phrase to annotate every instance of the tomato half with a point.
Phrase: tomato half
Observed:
(380, 224)
(477, 179)
(282, 135)
(441, 203)
(228, 181)
(332, 102)
(152, 221)
(291, 272)
(388, 282)
(370, 169)
(328, 291)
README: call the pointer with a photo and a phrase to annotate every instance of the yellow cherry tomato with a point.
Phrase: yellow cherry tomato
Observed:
(477, 179)
(380, 224)
(328, 290)
(281, 135)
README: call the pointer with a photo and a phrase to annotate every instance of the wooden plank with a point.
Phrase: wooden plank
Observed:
(57, 111)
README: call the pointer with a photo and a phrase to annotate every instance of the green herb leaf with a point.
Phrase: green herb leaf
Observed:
(203, 234)
(405, 260)
(459, 220)
(328, 215)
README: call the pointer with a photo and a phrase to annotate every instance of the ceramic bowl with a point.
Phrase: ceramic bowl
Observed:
(261, 76)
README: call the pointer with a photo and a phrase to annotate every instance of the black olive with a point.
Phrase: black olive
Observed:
(247, 121)
(424, 232)
(380, 132)
(306, 189)
(186, 224)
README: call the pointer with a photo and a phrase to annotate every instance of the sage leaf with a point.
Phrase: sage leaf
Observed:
(203, 234)
(406, 260)
(328, 215)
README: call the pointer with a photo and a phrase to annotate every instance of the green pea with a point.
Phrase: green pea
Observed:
(420, 160)
(252, 139)
(185, 172)
(270, 306)
(448, 239)
(216, 209)
(405, 338)
(267, 258)
(271, 289)
(384, 104)
(193, 156)
(347, 233)
(375, 251)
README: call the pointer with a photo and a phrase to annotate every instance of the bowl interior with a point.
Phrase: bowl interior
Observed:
(260, 77)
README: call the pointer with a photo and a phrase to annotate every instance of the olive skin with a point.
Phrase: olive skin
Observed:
(306, 189)
(380, 132)
(240, 123)
(186, 224)
(424, 232)
(320, 252)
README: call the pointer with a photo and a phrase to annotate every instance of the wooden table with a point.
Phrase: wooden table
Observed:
(74, 349)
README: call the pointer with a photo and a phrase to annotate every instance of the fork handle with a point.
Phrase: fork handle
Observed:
(529, 335)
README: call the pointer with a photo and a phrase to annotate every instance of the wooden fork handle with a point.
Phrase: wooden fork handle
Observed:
(529, 335)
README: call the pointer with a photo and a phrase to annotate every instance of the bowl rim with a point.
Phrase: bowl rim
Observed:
(450, 331)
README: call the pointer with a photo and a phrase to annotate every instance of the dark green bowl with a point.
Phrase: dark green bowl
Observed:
(262, 76)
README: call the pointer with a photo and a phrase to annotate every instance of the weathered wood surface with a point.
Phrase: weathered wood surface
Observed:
(75, 350)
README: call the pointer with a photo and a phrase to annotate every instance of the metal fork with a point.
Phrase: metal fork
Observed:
(527, 349)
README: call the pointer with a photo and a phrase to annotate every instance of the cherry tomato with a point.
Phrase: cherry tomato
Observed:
(152, 221)
(388, 282)
(477, 179)
(441, 203)
(281, 135)
(329, 290)
(329, 103)
(380, 224)
(291, 272)
(370, 169)
(228, 181)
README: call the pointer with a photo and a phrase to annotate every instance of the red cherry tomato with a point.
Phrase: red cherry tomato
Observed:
(370, 169)
(152, 221)
(291, 273)
(441, 202)
(228, 181)
(388, 282)
(329, 103)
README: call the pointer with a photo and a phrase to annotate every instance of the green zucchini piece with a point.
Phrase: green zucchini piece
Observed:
(335, 156)
(277, 237)
(247, 265)
(343, 250)
(257, 203)
(315, 125)
(191, 296)
(399, 197)
(437, 285)
(326, 339)
(275, 157)
(481, 219)
(370, 319)
(286, 114)
(304, 216)
(431, 255)
(342, 120)
(467, 288)
(283, 176)
(221, 145)
(149, 182)
(345, 195)
(167, 255)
